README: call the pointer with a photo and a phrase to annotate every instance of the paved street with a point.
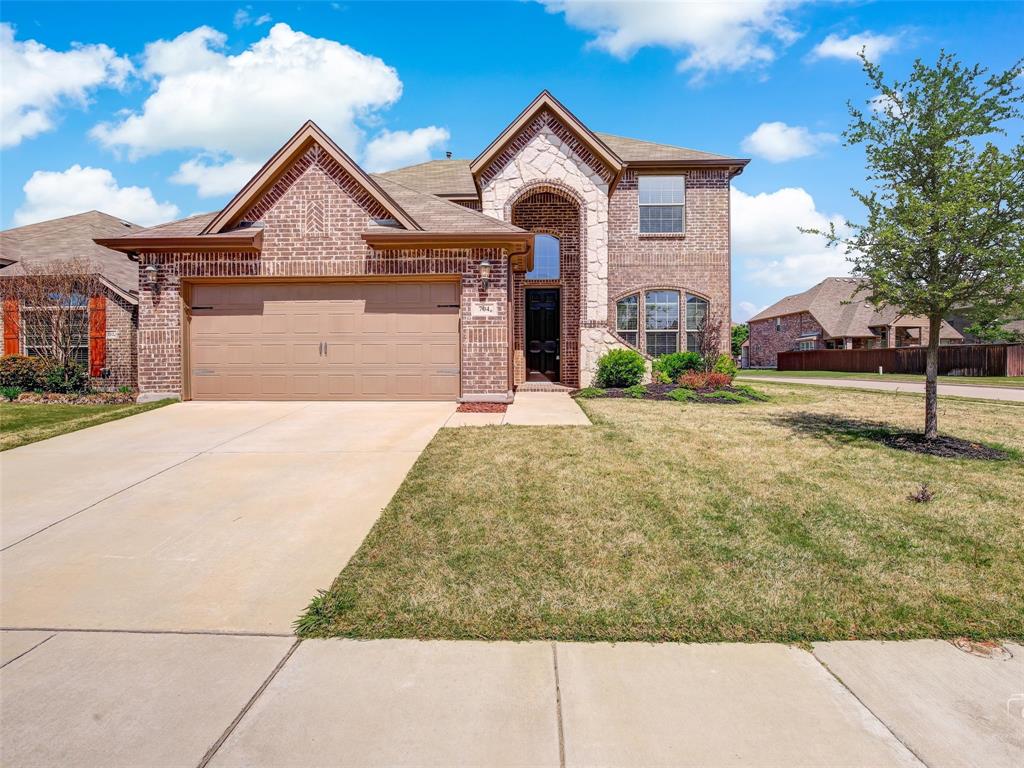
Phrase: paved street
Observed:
(1010, 394)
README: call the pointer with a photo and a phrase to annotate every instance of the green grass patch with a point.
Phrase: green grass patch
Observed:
(24, 423)
(984, 381)
(696, 524)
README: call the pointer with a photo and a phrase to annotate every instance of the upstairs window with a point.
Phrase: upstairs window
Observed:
(662, 200)
(546, 258)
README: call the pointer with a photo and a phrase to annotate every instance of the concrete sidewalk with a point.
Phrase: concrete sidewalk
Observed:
(1008, 394)
(117, 698)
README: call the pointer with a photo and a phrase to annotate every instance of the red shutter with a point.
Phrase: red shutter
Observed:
(12, 329)
(97, 335)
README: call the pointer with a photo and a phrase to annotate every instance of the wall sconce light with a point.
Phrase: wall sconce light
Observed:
(485, 273)
(150, 277)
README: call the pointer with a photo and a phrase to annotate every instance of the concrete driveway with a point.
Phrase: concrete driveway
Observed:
(223, 517)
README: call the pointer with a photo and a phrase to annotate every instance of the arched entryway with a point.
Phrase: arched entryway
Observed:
(547, 300)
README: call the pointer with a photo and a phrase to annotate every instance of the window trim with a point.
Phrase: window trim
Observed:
(640, 206)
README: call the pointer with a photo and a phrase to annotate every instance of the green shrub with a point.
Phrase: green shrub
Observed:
(620, 368)
(748, 391)
(725, 364)
(637, 390)
(26, 373)
(588, 393)
(674, 365)
(10, 393)
(67, 379)
(682, 395)
(727, 396)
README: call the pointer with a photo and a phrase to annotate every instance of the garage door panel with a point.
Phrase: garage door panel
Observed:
(340, 341)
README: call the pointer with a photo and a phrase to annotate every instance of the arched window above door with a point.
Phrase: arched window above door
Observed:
(546, 258)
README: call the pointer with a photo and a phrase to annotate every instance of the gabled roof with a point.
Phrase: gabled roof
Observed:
(446, 178)
(434, 214)
(637, 151)
(840, 307)
(73, 236)
(545, 101)
(265, 177)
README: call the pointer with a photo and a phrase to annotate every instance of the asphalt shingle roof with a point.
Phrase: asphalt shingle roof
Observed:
(636, 150)
(68, 237)
(437, 215)
(436, 177)
(842, 310)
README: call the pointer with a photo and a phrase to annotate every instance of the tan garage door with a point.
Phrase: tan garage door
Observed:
(325, 341)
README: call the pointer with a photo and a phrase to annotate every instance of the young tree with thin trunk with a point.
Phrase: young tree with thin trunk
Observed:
(945, 205)
(709, 338)
(53, 308)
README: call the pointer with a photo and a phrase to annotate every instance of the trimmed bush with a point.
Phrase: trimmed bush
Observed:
(682, 394)
(748, 391)
(637, 391)
(674, 365)
(66, 379)
(24, 372)
(620, 368)
(727, 396)
(704, 381)
(588, 393)
(725, 364)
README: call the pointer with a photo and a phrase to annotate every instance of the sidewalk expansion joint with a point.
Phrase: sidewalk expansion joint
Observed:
(101, 630)
(24, 653)
(558, 707)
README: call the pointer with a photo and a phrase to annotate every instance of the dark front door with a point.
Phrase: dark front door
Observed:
(542, 332)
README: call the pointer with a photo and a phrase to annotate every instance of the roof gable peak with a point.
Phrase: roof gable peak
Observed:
(266, 176)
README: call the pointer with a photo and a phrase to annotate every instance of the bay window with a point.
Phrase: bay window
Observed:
(661, 322)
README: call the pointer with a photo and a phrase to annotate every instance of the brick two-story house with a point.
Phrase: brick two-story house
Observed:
(453, 279)
(834, 314)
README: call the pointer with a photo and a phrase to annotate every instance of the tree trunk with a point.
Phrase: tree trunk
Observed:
(931, 376)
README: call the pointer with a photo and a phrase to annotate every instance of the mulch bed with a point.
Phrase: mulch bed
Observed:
(93, 398)
(943, 446)
(482, 407)
(660, 392)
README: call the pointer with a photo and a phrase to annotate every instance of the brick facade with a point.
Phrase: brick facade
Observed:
(121, 344)
(766, 342)
(551, 211)
(312, 219)
(696, 261)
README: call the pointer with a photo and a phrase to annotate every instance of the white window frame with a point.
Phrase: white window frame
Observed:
(641, 205)
(47, 348)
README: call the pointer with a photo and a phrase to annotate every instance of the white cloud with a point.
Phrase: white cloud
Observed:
(849, 48)
(244, 18)
(744, 310)
(777, 142)
(248, 104)
(234, 110)
(393, 149)
(38, 80)
(710, 35)
(51, 194)
(212, 178)
(767, 239)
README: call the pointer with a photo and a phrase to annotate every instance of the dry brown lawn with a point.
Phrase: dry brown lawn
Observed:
(779, 521)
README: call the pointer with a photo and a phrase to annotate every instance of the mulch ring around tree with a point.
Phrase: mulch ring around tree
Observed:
(728, 395)
(942, 446)
(482, 407)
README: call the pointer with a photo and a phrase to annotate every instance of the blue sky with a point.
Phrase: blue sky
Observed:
(103, 104)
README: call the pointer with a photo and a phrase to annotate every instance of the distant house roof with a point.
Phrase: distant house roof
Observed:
(840, 307)
(69, 237)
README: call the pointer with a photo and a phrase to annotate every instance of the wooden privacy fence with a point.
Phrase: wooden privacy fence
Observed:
(954, 360)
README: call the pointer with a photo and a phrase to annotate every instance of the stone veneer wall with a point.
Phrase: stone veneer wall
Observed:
(553, 213)
(696, 261)
(766, 342)
(312, 220)
(545, 152)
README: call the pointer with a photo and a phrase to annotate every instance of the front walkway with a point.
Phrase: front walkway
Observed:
(533, 409)
(127, 699)
(1011, 394)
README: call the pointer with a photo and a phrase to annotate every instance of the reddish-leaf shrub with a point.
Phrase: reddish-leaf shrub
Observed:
(701, 381)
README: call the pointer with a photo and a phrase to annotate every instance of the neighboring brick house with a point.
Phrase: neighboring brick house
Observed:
(109, 318)
(452, 279)
(834, 314)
